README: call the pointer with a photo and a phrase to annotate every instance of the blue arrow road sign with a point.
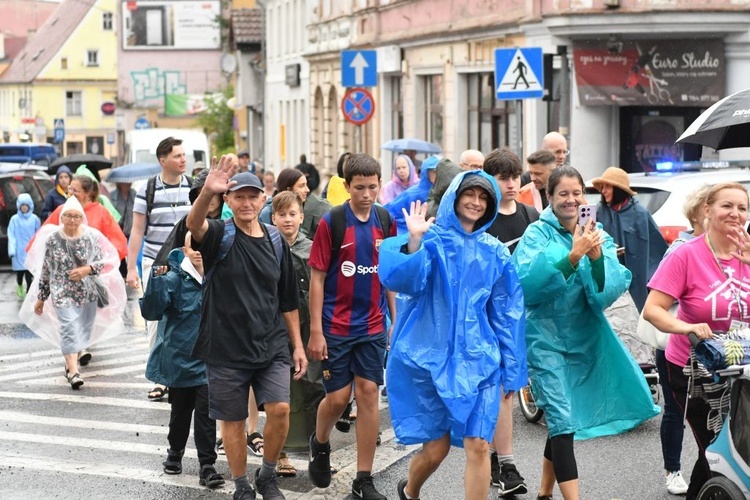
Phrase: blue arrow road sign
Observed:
(142, 124)
(519, 73)
(359, 68)
(59, 134)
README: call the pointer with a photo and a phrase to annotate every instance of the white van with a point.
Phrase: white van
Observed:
(140, 145)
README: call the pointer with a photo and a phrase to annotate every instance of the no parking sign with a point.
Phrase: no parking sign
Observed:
(358, 106)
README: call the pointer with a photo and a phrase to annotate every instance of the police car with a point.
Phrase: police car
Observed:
(665, 191)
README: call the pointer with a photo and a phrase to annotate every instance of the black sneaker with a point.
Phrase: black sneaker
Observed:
(511, 482)
(494, 470)
(319, 468)
(244, 494)
(365, 489)
(343, 424)
(268, 487)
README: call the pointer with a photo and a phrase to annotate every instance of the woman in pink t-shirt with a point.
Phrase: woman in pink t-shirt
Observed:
(710, 278)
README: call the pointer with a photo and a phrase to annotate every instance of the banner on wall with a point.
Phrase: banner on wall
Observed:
(187, 104)
(170, 24)
(650, 72)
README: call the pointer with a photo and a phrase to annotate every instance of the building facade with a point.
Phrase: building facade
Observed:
(67, 71)
(626, 76)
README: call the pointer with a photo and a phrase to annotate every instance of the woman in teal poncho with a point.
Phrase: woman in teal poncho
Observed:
(583, 377)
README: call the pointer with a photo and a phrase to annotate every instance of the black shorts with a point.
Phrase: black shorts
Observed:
(228, 388)
(362, 356)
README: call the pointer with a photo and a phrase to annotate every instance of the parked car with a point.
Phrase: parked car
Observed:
(664, 193)
(14, 180)
(28, 152)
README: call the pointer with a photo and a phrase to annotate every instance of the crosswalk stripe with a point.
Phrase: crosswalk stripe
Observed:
(60, 369)
(52, 352)
(28, 418)
(94, 400)
(88, 383)
(56, 359)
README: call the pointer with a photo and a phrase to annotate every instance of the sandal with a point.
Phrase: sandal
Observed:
(255, 443)
(173, 463)
(158, 393)
(209, 477)
(284, 468)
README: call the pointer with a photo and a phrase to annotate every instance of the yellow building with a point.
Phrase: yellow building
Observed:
(68, 72)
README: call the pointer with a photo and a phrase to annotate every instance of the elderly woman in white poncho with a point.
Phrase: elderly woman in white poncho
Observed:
(77, 297)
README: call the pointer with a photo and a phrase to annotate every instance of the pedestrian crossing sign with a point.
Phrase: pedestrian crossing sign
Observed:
(519, 73)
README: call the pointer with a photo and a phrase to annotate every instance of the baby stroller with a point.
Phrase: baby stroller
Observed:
(729, 454)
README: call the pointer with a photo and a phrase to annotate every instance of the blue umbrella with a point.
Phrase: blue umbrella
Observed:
(418, 145)
(133, 172)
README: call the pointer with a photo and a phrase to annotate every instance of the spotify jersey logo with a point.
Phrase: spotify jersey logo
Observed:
(348, 268)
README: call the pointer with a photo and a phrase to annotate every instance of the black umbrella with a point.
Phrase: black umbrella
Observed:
(724, 125)
(93, 162)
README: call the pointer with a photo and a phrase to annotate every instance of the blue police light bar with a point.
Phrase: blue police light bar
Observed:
(696, 166)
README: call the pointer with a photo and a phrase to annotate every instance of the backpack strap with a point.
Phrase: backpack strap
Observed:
(150, 192)
(385, 220)
(227, 240)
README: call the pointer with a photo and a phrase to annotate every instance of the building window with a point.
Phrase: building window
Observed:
(397, 108)
(92, 58)
(107, 21)
(63, 63)
(73, 103)
(488, 117)
(433, 108)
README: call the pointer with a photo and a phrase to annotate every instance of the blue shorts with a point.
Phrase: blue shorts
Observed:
(349, 356)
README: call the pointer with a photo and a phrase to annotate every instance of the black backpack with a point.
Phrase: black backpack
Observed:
(338, 226)
(151, 190)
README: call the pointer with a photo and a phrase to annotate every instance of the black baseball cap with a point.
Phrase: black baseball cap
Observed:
(246, 179)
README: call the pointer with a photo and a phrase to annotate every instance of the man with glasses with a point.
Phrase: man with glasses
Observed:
(471, 159)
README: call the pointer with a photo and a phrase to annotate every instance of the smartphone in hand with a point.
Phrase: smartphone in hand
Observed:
(585, 214)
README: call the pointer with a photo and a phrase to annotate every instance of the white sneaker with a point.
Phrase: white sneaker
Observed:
(675, 484)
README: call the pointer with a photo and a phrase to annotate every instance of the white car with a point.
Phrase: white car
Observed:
(664, 193)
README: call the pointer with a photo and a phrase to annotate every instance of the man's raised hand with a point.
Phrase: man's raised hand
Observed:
(220, 173)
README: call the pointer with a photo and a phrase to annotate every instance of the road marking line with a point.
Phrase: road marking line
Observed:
(28, 418)
(106, 385)
(50, 352)
(94, 373)
(94, 400)
(55, 359)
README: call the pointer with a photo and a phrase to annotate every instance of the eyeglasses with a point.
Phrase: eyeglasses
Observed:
(72, 216)
(564, 152)
(472, 166)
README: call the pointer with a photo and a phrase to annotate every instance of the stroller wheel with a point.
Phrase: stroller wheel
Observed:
(720, 488)
(527, 403)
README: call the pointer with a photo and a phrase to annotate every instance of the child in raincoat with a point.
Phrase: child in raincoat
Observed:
(21, 229)
(459, 333)
(583, 377)
(174, 299)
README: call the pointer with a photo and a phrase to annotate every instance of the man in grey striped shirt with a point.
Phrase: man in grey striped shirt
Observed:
(171, 203)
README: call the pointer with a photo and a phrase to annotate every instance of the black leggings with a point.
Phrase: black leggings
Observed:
(559, 451)
(20, 276)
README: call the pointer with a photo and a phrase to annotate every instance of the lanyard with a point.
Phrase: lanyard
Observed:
(734, 290)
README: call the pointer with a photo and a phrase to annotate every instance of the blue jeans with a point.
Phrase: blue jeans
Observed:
(671, 422)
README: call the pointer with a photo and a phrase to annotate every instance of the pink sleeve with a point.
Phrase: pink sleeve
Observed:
(670, 277)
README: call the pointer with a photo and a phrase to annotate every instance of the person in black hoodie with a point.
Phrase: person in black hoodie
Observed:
(58, 194)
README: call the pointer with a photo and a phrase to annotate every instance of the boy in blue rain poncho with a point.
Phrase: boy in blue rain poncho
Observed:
(458, 336)
(583, 378)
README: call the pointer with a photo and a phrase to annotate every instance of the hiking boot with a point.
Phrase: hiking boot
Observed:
(676, 484)
(244, 494)
(494, 470)
(365, 489)
(319, 468)
(511, 482)
(344, 423)
(84, 357)
(209, 477)
(268, 487)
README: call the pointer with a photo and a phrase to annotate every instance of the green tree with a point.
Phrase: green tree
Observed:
(218, 121)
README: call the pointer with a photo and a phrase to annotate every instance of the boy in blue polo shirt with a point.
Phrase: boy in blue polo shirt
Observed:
(347, 322)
